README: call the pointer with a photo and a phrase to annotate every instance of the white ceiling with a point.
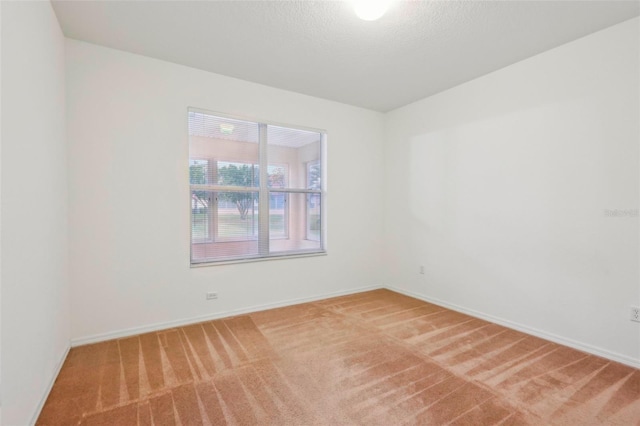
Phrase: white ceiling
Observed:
(322, 49)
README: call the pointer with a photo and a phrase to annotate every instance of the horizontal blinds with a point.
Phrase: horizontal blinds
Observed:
(224, 157)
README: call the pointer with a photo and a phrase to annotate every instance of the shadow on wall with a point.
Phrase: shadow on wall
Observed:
(517, 198)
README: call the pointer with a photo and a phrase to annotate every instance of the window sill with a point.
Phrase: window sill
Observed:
(257, 259)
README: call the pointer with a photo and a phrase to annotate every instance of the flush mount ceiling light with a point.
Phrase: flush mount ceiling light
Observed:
(370, 10)
(226, 128)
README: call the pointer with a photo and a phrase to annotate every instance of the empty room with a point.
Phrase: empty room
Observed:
(299, 212)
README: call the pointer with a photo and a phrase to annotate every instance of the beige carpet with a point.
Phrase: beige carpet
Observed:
(374, 358)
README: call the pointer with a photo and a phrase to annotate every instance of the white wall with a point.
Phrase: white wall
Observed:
(0, 214)
(499, 186)
(35, 313)
(129, 196)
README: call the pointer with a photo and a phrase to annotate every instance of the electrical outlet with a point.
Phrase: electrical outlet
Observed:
(422, 269)
(635, 313)
(212, 295)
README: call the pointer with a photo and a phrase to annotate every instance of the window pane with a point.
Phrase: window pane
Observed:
(278, 215)
(201, 229)
(293, 149)
(209, 126)
(278, 175)
(303, 222)
(237, 216)
(313, 219)
(199, 172)
(314, 175)
(226, 228)
(222, 151)
(237, 174)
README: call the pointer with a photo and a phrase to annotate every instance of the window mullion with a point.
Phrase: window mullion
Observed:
(263, 201)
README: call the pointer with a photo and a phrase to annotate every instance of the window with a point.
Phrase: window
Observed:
(256, 189)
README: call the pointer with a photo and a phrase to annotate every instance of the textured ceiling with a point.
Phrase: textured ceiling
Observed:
(322, 49)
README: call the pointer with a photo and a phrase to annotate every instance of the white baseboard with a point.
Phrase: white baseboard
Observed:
(52, 380)
(623, 359)
(185, 321)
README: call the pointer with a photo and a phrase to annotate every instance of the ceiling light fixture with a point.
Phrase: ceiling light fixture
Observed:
(370, 10)
(226, 128)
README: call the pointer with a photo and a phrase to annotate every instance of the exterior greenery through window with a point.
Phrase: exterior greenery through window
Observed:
(256, 189)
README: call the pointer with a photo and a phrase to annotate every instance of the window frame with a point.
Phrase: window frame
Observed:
(264, 193)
